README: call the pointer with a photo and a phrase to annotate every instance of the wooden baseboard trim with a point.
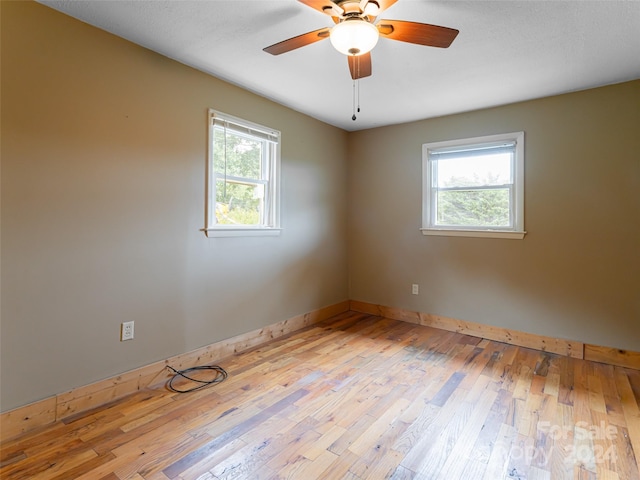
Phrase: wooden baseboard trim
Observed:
(58, 407)
(570, 348)
(64, 405)
(538, 342)
(612, 356)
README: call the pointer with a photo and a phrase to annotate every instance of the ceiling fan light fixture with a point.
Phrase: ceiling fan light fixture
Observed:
(354, 36)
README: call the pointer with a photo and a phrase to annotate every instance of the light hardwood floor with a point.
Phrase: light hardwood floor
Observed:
(359, 397)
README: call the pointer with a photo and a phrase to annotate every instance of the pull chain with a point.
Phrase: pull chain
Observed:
(354, 102)
(356, 89)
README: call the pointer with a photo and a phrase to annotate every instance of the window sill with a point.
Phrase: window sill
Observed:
(474, 233)
(242, 232)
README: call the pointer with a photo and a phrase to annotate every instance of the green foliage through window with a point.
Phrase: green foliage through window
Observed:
(238, 166)
(473, 208)
(243, 177)
(474, 184)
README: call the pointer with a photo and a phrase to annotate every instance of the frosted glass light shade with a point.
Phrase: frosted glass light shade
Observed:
(354, 36)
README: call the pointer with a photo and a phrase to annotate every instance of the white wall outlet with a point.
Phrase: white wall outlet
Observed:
(415, 289)
(126, 331)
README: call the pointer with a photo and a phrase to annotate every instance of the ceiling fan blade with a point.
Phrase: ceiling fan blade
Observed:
(419, 33)
(324, 6)
(360, 65)
(297, 42)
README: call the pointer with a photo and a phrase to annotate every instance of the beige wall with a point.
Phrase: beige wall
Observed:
(576, 274)
(103, 162)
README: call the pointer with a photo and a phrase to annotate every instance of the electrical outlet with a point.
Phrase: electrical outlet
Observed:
(414, 289)
(126, 331)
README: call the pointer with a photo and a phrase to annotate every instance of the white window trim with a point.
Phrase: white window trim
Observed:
(212, 229)
(441, 232)
(242, 232)
(517, 232)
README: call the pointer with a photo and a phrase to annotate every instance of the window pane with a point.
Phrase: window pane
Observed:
(475, 171)
(243, 154)
(473, 208)
(238, 204)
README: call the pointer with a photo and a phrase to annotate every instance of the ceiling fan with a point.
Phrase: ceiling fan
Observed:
(357, 31)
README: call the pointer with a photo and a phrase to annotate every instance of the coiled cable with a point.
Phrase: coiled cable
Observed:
(221, 375)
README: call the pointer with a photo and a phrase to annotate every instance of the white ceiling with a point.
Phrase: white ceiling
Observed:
(507, 51)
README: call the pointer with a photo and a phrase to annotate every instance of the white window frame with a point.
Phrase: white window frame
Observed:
(270, 178)
(429, 188)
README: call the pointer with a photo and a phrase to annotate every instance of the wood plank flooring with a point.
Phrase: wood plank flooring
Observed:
(359, 397)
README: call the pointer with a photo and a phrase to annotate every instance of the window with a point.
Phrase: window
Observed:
(474, 187)
(243, 178)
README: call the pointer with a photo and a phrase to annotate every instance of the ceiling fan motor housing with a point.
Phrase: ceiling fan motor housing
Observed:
(352, 7)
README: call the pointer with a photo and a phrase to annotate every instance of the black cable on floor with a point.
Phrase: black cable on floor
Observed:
(221, 375)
